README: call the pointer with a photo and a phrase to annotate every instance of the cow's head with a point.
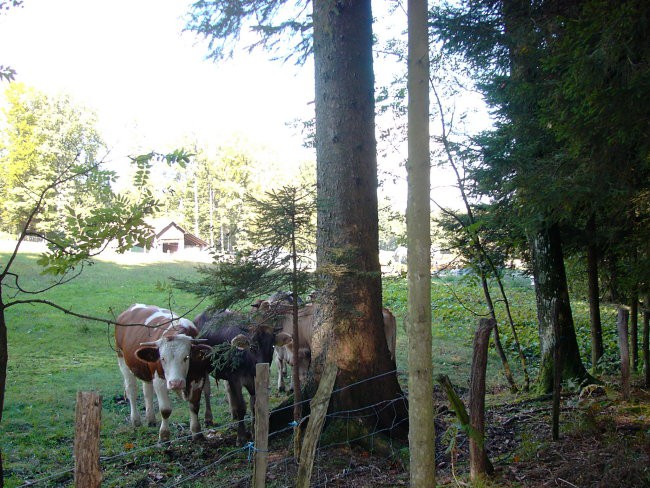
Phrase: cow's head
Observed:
(260, 341)
(175, 354)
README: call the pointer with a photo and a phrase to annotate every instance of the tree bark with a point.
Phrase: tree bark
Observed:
(4, 356)
(557, 374)
(594, 297)
(87, 473)
(621, 326)
(634, 329)
(553, 305)
(349, 321)
(646, 339)
(418, 229)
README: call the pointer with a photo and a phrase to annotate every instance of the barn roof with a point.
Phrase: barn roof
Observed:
(188, 236)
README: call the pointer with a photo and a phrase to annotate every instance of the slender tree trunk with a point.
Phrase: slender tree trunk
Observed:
(646, 339)
(520, 352)
(551, 291)
(418, 211)
(621, 325)
(594, 306)
(196, 204)
(349, 320)
(497, 338)
(482, 256)
(634, 329)
(211, 207)
(297, 393)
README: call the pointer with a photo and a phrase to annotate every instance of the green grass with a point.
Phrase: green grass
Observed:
(53, 355)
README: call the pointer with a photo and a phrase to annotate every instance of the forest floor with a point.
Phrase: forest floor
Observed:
(604, 442)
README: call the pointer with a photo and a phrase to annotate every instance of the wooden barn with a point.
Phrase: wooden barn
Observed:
(172, 238)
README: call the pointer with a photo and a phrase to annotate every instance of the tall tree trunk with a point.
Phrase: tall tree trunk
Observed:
(646, 339)
(196, 204)
(551, 291)
(211, 207)
(483, 258)
(594, 306)
(418, 228)
(4, 357)
(497, 338)
(634, 328)
(624, 348)
(348, 327)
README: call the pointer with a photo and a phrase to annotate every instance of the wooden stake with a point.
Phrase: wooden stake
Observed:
(477, 456)
(319, 406)
(261, 425)
(86, 441)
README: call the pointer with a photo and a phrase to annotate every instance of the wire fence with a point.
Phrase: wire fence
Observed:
(280, 450)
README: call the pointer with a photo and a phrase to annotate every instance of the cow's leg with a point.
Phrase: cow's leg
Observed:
(209, 420)
(194, 400)
(131, 388)
(250, 386)
(238, 409)
(149, 412)
(165, 407)
(282, 371)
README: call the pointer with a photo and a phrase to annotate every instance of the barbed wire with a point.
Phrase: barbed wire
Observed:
(47, 478)
(377, 407)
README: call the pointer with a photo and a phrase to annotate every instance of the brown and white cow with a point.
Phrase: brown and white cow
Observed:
(159, 348)
(284, 321)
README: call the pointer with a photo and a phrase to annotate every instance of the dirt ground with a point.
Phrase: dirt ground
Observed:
(604, 442)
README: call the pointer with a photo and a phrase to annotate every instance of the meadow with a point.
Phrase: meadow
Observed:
(53, 355)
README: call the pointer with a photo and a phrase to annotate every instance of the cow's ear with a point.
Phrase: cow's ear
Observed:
(240, 341)
(283, 339)
(148, 354)
(200, 352)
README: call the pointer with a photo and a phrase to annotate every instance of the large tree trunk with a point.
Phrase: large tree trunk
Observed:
(418, 212)
(594, 296)
(553, 304)
(348, 327)
(4, 357)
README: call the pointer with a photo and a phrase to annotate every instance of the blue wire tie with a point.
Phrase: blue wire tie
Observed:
(293, 424)
(251, 447)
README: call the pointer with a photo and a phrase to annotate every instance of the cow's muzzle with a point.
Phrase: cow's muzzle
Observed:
(176, 385)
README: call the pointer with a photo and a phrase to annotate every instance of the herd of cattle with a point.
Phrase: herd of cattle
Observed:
(167, 352)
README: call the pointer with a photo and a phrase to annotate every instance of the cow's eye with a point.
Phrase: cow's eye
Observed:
(187, 357)
(162, 359)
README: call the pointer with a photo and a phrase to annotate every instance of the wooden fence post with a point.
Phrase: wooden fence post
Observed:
(318, 408)
(86, 440)
(624, 346)
(478, 461)
(261, 425)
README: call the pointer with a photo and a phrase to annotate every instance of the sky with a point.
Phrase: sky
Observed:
(152, 88)
(150, 84)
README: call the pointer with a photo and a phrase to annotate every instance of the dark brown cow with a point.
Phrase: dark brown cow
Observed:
(254, 342)
(157, 347)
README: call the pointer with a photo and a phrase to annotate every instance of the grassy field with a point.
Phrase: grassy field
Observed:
(53, 355)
